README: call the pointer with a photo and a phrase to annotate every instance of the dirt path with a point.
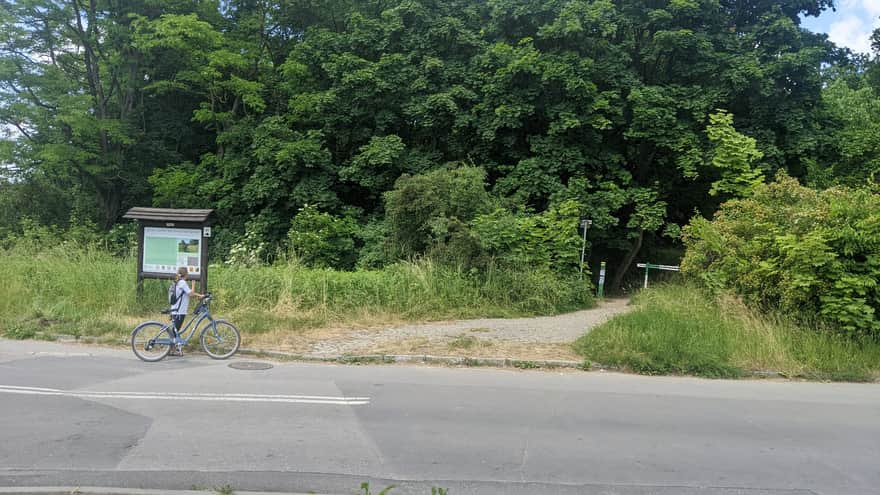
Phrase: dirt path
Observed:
(544, 337)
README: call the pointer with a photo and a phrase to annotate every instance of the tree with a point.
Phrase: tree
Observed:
(70, 83)
(734, 156)
(856, 109)
(259, 107)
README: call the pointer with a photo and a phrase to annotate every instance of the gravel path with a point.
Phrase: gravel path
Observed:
(560, 329)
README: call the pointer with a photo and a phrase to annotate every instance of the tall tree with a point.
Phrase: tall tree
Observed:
(71, 83)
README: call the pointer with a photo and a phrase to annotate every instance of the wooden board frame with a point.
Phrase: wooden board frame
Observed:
(202, 276)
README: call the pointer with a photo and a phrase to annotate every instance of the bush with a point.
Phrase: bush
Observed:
(810, 254)
(548, 240)
(253, 248)
(377, 250)
(447, 215)
(322, 240)
(427, 210)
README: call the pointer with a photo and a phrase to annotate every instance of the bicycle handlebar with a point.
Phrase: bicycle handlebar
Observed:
(204, 302)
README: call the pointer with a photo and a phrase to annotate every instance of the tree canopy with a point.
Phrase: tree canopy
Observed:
(641, 112)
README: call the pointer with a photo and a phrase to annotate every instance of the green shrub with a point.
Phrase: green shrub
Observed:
(377, 249)
(253, 247)
(425, 210)
(813, 254)
(323, 240)
(548, 240)
(20, 331)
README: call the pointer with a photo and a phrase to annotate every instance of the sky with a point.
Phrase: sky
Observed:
(850, 25)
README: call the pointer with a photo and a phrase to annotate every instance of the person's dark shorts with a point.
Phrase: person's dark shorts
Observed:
(178, 321)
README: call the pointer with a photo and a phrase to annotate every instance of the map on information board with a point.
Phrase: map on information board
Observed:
(166, 249)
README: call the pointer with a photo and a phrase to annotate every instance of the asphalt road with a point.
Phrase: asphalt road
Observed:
(80, 416)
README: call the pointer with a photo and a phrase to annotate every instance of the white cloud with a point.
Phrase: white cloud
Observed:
(848, 4)
(853, 32)
(871, 7)
(852, 23)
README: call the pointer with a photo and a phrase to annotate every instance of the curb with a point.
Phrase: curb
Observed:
(426, 359)
(545, 364)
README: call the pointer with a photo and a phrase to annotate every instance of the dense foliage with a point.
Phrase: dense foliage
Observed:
(353, 133)
(811, 253)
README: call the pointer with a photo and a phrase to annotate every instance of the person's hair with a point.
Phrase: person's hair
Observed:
(182, 272)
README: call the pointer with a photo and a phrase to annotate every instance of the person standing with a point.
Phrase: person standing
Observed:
(182, 293)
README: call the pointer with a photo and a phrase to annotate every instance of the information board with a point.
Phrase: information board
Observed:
(166, 249)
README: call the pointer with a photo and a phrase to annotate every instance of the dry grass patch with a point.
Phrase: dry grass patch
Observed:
(481, 349)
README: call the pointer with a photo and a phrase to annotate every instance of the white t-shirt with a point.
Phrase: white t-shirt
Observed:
(182, 305)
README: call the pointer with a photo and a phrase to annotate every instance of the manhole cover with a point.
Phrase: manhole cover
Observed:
(250, 365)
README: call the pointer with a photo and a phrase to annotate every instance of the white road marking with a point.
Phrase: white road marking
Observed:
(62, 354)
(290, 399)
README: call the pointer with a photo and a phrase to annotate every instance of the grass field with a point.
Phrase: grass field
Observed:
(677, 329)
(83, 291)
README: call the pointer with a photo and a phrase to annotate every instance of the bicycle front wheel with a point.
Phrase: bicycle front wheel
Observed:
(151, 341)
(220, 339)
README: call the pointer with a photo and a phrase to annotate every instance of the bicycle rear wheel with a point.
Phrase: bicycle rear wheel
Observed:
(151, 341)
(220, 339)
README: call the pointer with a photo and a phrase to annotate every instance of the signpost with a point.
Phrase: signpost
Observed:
(650, 266)
(171, 238)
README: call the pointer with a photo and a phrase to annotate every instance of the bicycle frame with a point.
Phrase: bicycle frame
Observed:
(182, 337)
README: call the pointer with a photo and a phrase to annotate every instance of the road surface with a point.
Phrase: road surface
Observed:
(85, 416)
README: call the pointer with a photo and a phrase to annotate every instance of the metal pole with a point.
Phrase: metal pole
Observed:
(646, 275)
(585, 224)
(583, 250)
(601, 279)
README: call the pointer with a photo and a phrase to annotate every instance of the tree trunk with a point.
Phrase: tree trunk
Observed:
(110, 202)
(625, 263)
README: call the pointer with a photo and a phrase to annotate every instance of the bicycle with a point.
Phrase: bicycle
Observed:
(152, 341)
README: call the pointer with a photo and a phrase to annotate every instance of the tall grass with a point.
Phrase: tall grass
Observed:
(84, 291)
(681, 329)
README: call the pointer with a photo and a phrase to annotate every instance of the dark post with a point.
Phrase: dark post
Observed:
(140, 261)
(203, 268)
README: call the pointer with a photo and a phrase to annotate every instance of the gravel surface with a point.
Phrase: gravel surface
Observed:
(560, 329)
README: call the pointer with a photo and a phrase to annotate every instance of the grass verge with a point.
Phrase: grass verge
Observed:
(86, 292)
(677, 329)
